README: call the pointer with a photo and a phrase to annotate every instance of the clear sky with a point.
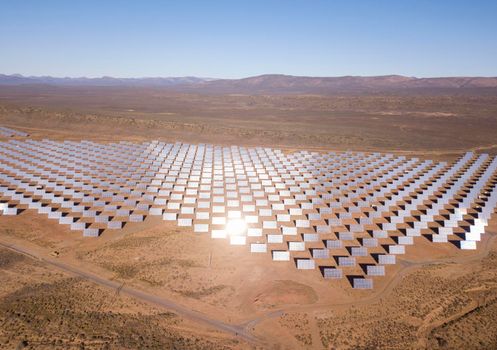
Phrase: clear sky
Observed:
(235, 39)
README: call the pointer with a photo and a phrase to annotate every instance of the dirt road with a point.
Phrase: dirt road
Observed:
(243, 330)
(138, 294)
(408, 267)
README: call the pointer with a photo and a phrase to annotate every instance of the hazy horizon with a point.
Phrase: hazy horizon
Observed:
(252, 76)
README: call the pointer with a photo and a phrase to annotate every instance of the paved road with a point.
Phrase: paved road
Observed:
(193, 315)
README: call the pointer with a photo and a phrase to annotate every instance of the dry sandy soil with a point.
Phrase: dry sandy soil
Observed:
(436, 297)
(42, 308)
(434, 125)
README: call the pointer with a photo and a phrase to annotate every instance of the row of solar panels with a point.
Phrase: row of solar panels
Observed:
(8, 132)
(391, 201)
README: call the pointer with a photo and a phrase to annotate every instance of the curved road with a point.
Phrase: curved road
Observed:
(243, 330)
(408, 267)
(141, 295)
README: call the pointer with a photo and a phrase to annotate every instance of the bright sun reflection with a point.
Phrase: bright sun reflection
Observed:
(236, 227)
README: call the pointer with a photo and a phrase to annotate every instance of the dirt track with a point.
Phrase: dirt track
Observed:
(243, 330)
(141, 295)
(437, 127)
(407, 267)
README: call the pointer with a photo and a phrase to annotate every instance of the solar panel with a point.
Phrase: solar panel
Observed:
(305, 264)
(386, 259)
(375, 270)
(281, 255)
(362, 283)
(258, 248)
(346, 261)
(332, 273)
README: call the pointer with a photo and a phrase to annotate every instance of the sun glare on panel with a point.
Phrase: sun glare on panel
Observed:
(236, 227)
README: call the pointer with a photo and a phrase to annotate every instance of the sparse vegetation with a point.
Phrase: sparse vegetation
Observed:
(201, 293)
(68, 313)
(443, 306)
(424, 298)
(298, 325)
(420, 122)
(8, 258)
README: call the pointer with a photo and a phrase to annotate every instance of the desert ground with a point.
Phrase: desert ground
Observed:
(435, 125)
(221, 296)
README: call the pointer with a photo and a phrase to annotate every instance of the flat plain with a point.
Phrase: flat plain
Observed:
(437, 296)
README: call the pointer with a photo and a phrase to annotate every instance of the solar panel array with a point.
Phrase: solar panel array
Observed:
(7, 132)
(346, 214)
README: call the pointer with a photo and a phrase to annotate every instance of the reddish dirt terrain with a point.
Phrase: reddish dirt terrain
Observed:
(437, 296)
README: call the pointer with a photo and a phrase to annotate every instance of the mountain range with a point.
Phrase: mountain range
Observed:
(17, 79)
(273, 83)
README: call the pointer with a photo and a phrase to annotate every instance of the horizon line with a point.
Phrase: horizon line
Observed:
(245, 77)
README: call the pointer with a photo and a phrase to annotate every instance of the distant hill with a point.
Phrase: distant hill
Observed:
(17, 79)
(279, 84)
(347, 84)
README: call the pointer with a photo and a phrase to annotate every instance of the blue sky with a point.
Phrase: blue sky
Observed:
(235, 39)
